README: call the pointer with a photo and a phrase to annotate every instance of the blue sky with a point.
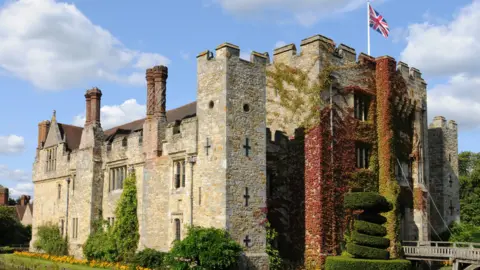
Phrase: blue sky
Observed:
(51, 52)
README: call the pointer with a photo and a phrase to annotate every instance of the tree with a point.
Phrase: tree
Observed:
(11, 201)
(469, 178)
(11, 230)
(125, 230)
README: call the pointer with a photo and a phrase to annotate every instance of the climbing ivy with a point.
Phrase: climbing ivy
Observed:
(125, 230)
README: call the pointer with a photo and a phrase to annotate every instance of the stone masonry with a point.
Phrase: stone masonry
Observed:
(217, 163)
(444, 184)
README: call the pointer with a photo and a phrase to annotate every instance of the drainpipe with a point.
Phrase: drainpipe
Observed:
(66, 214)
(192, 161)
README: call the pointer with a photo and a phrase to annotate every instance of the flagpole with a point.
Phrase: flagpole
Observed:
(368, 25)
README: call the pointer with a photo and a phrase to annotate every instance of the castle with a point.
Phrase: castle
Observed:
(224, 159)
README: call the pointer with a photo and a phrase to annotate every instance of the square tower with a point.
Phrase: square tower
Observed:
(231, 166)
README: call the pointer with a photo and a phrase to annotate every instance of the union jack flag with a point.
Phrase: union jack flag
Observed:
(378, 23)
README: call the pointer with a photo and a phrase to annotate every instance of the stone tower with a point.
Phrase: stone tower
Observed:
(231, 166)
(444, 184)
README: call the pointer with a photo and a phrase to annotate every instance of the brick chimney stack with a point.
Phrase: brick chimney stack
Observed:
(24, 199)
(151, 101)
(160, 74)
(3, 195)
(93, 102)
(43, 128)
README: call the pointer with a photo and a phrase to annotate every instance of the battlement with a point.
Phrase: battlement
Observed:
(441, 122)
(317, 44)
(227, 51)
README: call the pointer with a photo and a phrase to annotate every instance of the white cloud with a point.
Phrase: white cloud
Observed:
(304, 12)
(7, 174)
(280, 43)
(449, 50)
(11, 144)
(458, 99)
(446, 48)
(54, 46)
(116, 115)
(20, 189)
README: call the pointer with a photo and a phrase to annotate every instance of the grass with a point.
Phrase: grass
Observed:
(33, 263)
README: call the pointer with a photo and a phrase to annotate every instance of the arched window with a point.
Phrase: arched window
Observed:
(177, 229)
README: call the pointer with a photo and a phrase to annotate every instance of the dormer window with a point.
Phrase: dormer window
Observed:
(125, 141)
(140, 138)
(51, 159)
(109, 146)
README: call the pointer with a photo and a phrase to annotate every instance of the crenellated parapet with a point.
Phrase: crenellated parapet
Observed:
(230, 51)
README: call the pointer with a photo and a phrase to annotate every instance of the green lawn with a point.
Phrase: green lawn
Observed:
(11, 259)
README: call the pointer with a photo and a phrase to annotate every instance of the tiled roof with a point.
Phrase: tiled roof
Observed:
(74, 133)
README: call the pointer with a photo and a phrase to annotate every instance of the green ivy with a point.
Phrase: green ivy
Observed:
(100, 244)
(125, 230)
(275, 262)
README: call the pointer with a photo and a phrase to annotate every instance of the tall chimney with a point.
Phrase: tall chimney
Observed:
(3, 195)
(150, 93)
(88, 117)
(24, 199)
(160, 74)
(43, 128)
(93, 99)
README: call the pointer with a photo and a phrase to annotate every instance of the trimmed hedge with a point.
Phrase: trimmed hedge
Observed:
(342, 263)
(150, 258)
(369, 241)
(372, 217)
(369, 228)
(367, 252)
(368, 201)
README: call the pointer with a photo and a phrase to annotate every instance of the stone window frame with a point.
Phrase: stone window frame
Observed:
(361, 103)
(51, 159)
(177, 226)
(74, 228)
(59, 191)
(116, 176)
(179, 173)
(362, 155)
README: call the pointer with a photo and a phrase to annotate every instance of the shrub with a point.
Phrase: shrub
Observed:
(100, 245)
(368, 201)
(51, 241)
(369, 240)
(342, 263)
(149, 258)
(372, 217)
(367, 252)
(204, 248)
(125, 230)
(369, 228)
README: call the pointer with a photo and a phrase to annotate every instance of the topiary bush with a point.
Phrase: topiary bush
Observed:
(369, 228)
(51, 241)
(368, 201)
(204, 248)
(150, 258)
(343, 263)
(366, 240)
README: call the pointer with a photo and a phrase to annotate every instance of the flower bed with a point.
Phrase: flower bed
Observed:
(72, 260)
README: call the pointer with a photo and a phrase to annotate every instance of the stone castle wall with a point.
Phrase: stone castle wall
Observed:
(444, 183)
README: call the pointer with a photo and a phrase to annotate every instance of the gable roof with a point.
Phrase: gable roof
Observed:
(74, 133)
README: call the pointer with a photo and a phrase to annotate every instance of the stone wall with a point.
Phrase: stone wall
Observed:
(232, 128)
(444, 183)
